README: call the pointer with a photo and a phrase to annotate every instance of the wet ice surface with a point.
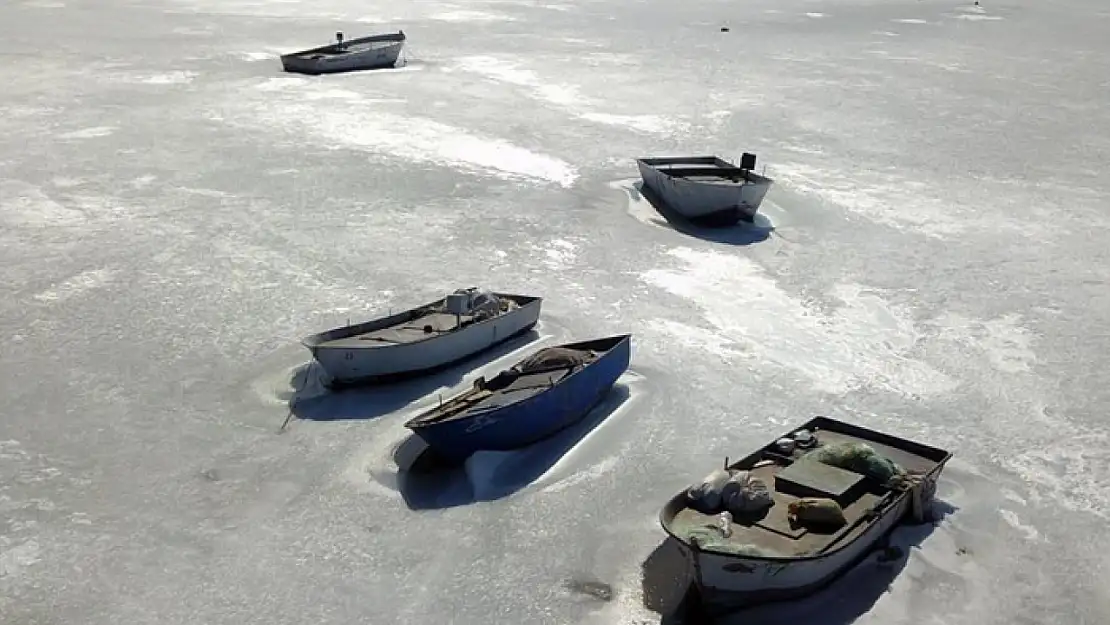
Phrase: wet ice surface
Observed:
(176, 212)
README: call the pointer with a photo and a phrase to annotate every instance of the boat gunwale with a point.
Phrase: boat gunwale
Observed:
(841, 427)
(314, 342)
(398, 37)
(700, 165)
(412, 424)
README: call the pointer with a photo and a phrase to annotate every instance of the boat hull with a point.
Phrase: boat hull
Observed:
(377, 57)
(726, 582)
(532, 419)
(348, 366)
(705, 202)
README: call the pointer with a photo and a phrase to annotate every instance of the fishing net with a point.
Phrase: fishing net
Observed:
(481, 304)
(484, 304)
(921, 491)
(859, 458)
(712, 538)
(554, 358)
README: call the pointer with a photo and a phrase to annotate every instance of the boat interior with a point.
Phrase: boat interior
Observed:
(411, 326)
(349, 47)
(536, 373)
(703, 168)
(772, 531)
(733, 175)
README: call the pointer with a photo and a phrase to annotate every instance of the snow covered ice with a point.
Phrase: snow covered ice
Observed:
(175, 213)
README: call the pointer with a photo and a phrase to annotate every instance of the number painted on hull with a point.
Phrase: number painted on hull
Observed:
(480, 422)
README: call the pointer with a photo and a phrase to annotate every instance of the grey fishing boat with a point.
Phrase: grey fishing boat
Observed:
(423, 339)
(706, 190)
(791, 517)
(373, 52)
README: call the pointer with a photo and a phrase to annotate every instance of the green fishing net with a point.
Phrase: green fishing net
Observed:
(712, 538)
(859, 458)
(709, 536)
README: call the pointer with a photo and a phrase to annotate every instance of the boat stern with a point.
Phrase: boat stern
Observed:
(522, 300)
(753, 193)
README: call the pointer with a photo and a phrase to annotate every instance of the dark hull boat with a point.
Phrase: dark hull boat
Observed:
(373, 52)
(545, 393)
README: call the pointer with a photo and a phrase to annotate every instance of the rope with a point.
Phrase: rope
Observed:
(921, 492)
(293, 400)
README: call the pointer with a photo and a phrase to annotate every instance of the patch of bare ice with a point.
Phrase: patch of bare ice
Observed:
(864, 342)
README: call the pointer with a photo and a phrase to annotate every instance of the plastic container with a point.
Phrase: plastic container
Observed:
(724, 523)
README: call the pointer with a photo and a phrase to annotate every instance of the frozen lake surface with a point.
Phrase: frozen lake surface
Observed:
(175, 213)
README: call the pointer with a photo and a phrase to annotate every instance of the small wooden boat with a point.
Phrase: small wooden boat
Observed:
(791, 517)
(423, 339)
(542, 394)
(706, 190)
(373, 52)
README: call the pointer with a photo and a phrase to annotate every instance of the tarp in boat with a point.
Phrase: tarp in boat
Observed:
(554, 358)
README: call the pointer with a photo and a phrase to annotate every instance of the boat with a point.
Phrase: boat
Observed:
(424, 339)
(373, 52)
(550, 390)
(790, 518)
(705, 190)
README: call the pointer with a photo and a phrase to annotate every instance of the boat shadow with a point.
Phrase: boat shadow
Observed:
(667, 588)
(315, 402)
(427, 482)
(743, 233)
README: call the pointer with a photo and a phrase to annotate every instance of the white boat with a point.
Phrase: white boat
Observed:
(706, 189)
(423, 339)
(757, 545)
(373, 52)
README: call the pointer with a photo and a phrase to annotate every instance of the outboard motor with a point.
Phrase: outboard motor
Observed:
(339, 41)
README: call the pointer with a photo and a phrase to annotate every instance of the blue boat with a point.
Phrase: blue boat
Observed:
(546, 392)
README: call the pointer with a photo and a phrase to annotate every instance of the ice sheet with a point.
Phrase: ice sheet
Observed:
(175, 212)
